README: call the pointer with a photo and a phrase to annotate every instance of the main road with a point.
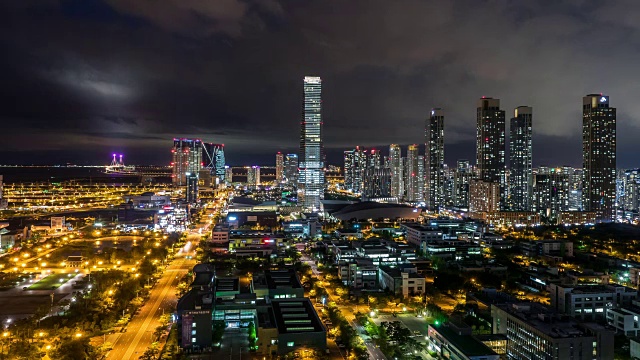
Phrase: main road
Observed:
(347, 311)
(162, 298)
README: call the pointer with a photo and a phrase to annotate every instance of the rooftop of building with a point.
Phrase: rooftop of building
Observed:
(202, 275)
(491, 337)
(370, 205)
(597, 289)
(420, 227)
(227, 285)
(544, 319)
(624, 311)
(396, 271)
(277, 279)
(244, 201)
(295, 316)
(195, 299)
(465, 343)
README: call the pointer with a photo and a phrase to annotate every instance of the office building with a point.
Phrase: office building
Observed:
(311, 176)
(395, 165)
(192, 188)
(454, 341)
(403, 280)
(214, 161)
(291, 169)
(434, 158)
(589, 302)
(186, 158)
(599, 156)
(625, 320)
(279, 167)
(228, 174)
(535, 332)
(520, 161)
(490, 144)
(288, 325)
(412, 192)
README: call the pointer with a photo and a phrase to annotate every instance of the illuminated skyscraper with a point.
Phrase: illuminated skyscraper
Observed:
(434, 157)
(411, 174)
(311, 181)
(253, 175)
(3, 201)
(395, 166)
(349, 169)
(192, 188)
(291, 169)
(279, 167)
(213, 158)
(520, 162)
(186, 158)
(551, 189)
(599, 156)
(462, 176)
(228, 174)
(421, 178)
(490, 143)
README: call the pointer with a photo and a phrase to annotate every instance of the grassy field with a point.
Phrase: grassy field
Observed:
(50, 282)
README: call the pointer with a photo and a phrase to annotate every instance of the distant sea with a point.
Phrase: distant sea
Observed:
(13, 174)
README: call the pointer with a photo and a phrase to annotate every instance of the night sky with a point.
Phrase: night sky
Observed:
(84, 78)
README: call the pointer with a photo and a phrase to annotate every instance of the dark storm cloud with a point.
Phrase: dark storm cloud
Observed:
(128, 76)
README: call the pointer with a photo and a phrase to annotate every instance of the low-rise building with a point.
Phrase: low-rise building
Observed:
(401, 280)
(194, 310)
(591, 302)
(288, 325)
(559, 248)
(359, 274)
(535, 332)
(220, 238)
(577, 217)
(277, 284)
(511, 218)
(416, 234)
(451, 342)
(624, 320)
(348, 234)
(147, 200)
(634, 348)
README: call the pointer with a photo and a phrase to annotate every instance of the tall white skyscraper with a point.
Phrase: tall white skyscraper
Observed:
(311, 180)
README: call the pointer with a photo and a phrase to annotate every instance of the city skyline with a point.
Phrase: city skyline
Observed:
(72, 101)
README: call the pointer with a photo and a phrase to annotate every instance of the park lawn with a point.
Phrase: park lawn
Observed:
(50, 282)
